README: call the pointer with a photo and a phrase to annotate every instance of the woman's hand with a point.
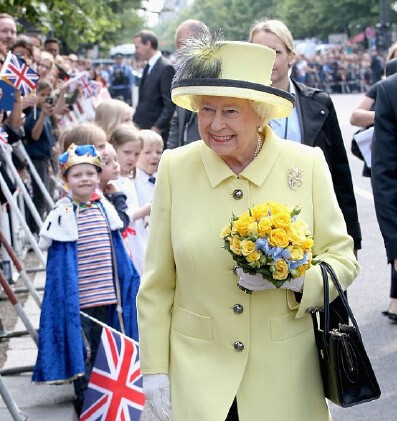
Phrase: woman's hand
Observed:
(258, 283)
(156, 388)
(48, 109)
(28, 101)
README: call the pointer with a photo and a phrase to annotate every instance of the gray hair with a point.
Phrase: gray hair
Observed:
(262, 109)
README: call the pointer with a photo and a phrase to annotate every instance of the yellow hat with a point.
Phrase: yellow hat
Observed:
(208, 66)
(81, 154)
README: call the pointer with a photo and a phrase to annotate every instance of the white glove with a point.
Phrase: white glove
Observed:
(156, 388)
(258, 283)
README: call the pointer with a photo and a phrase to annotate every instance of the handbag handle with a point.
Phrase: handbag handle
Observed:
(325, 270)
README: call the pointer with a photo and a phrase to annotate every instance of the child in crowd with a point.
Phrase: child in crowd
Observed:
(84, 134)
(111, 172)
(147, 165)
(109, 114)
(88, 269)
(40, 140)
(128, 144)
(92, 134)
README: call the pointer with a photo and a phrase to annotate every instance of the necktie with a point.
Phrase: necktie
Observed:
(144, 75)
(152, 180)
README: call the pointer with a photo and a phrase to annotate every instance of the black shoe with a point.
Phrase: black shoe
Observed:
(392, 317)
(385, 313)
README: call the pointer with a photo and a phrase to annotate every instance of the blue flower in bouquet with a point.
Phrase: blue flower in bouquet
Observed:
(263, 245)
(297, 263)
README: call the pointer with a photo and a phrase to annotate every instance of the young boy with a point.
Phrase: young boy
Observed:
(147, 165)
(88, 268)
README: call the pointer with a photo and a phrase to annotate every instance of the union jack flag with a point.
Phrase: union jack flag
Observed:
(115, 389)
(3, 137)
(19, 74)
(88, 87)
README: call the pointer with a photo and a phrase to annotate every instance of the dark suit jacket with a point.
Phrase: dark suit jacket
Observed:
(320, 127)
(183, 132)
(384, 163)
(155, 107)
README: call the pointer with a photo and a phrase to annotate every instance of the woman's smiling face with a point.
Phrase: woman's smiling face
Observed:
(228, 126)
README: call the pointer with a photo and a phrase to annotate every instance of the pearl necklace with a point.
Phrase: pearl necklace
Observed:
(259, 145)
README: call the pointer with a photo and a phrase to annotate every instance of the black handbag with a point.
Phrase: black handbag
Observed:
(346, 371)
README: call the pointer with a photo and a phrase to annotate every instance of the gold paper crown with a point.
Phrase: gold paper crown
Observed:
(79, 154)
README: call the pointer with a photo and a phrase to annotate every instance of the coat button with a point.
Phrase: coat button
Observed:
(237, 194)
(238, 346)
(238, 308)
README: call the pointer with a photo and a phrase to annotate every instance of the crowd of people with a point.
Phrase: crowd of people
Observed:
(339, 72)
(134, 235)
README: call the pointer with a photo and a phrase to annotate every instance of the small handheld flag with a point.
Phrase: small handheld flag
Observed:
(115, 389)
(19, 74)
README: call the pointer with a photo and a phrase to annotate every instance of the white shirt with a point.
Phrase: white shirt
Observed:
(144, 188)
(136, 243)
(153, 60)
(289, 127)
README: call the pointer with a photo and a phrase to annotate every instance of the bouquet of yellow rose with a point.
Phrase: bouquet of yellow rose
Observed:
(271, 240)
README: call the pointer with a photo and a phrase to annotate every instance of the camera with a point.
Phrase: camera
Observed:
(49, 100)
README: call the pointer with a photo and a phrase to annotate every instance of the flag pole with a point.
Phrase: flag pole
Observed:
(93, 319)
(34, 107)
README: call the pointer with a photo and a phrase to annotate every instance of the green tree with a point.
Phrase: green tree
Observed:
(233, 17)
(76, 22)
(322, 17)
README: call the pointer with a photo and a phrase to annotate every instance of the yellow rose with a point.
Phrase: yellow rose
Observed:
(277, 207)
(296, 232)
(253, 257)
(253, 228)
(281, 220)
(235, 246)
(297, 252)
(264, 226)
(307, 244)
(259, 211)
(247, 247)
(278, 238)
(226, 231)
(241, 224)
(302, 269)
(281, 271)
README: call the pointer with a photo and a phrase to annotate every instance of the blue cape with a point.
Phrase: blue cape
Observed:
(61, 352)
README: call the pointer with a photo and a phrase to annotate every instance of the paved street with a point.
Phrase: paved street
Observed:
(368, 296)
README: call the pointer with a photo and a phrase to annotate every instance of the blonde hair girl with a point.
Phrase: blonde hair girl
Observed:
(128, 145)
(112, 112)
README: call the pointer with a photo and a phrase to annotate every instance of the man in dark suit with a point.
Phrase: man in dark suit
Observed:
(313, 122)
(384, 175)
(184, 128)
(155, 108)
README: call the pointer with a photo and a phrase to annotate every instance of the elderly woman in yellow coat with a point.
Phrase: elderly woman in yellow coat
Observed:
(208, 350)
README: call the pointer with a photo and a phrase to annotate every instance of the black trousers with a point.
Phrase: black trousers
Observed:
(233, 414)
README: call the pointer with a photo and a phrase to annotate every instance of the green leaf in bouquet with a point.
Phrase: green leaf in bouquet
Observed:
(296, 211)
(247, 291)
(277, 283)
(265, 272)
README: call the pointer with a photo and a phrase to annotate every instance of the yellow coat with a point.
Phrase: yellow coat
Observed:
(187, 321)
